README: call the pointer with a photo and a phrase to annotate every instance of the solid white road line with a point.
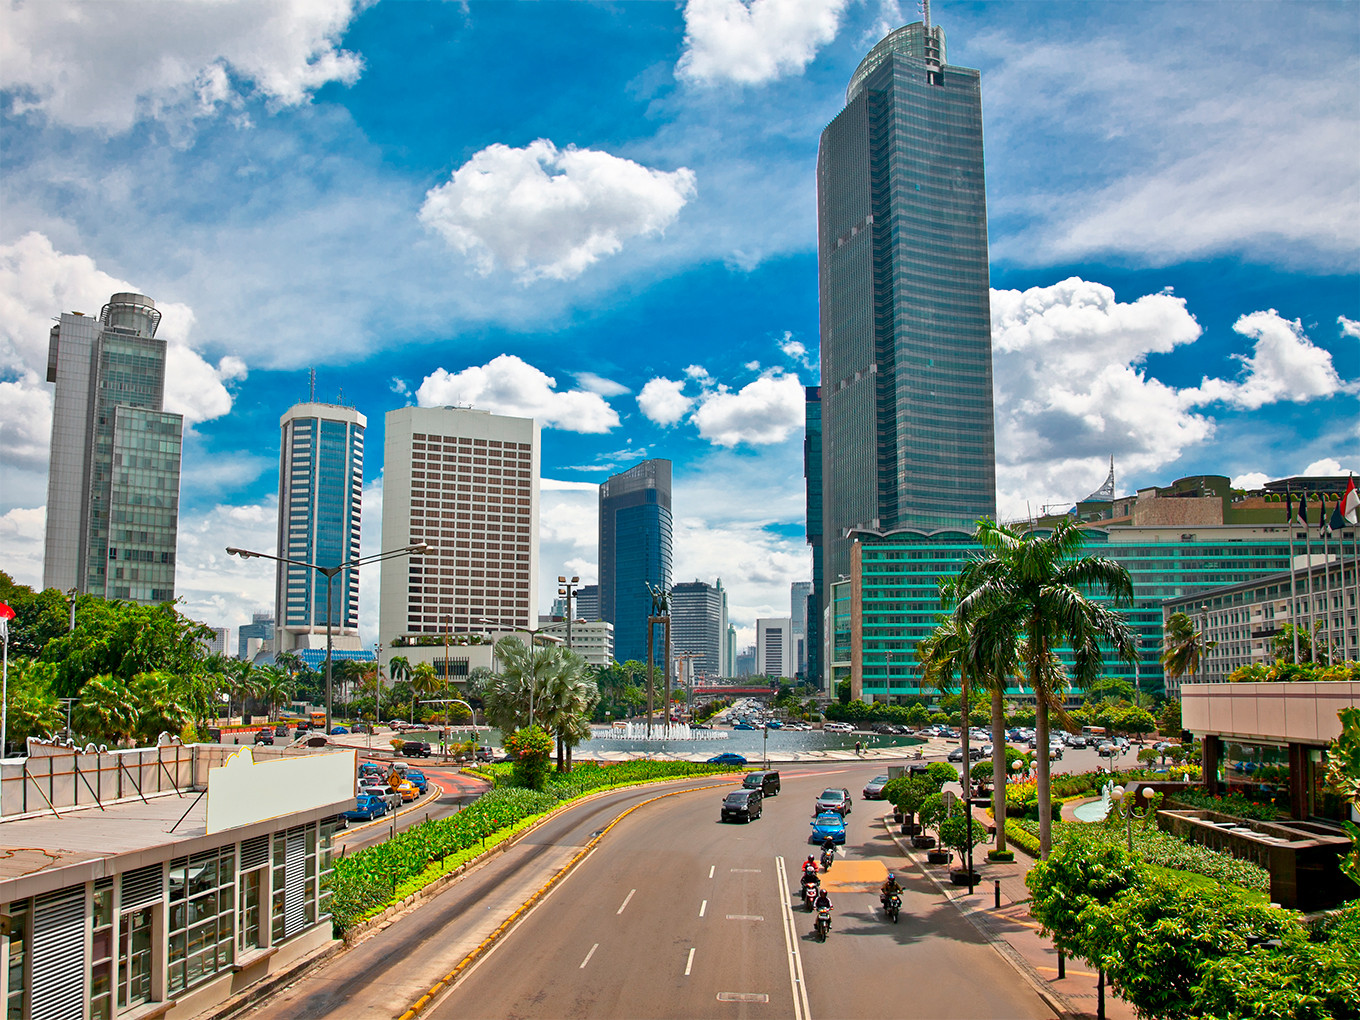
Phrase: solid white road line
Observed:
(796, 982)
(588, 956)
(702, 907)
(625, 902)
(689, 963)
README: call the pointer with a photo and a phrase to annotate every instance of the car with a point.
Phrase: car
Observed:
(828, 823)
(417, 779)
(408, 790)
(337, 730)
(766, 782)
(265, 737)
(974, 754)
(485, 754)
(833, 798)
(366, 808)
(727, 758)
(743, 726)
(416, 749)
(281, 730)
(1107, 750)
(389, 796)
(370, 768)
(742, 805)
(774, 724)
(873, 789)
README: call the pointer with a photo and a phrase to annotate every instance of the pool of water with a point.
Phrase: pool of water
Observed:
(1094, 811)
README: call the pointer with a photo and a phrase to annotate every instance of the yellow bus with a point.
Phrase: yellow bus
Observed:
(318, 720)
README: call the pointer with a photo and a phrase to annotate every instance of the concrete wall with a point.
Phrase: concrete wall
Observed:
(1304, 713)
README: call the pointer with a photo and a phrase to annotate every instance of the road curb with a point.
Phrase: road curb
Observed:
(451, 978)
(1053, 999)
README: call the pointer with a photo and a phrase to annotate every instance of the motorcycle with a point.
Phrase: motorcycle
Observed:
(827, 857)
(823, 923)
(810, 895)
(892, 906)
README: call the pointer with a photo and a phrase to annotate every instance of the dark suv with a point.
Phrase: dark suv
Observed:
(415, 749)
(766, 782)
(833, 799)
(742, 805)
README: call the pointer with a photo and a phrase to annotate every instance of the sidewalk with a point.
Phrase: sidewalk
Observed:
(1014, 933)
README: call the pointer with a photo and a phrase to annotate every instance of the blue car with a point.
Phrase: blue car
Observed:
(337, 730)
(828, 823)
(743, 726)
(727, 758)
(367, 808)
(417, 779)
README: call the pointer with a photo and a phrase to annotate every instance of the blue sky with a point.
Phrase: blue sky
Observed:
(604, 215)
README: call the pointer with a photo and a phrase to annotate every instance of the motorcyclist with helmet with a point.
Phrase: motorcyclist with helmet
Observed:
(889, 888)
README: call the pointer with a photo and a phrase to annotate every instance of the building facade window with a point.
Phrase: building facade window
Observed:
(201, 933)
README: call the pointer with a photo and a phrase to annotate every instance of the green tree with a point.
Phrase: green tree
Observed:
(39, 616)
(843, 691)
(568, 697)
(1029, 596)
(1169, 718)
(160, 708)
(107, 713)
(1343, 779)
(531, 749)
(425, 684)
(33, 710)
(1182, 646)
(1282, 644)
(274, 688)
(960, 834)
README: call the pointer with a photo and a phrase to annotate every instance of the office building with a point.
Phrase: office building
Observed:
(635, 554)
(587, 599)
(321, 493)
(1184, 539)
(774, 647)
(699, 625)
(593, 640)
(217, 644)
(113, 477)
(255, 637)
(799, 592)
(906, 370)
(465, 482)
(730, 652)
(745, 662)
(812, 473)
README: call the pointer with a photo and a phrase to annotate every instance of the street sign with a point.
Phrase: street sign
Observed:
(949, 797)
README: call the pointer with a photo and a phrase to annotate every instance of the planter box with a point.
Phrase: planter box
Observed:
(1004, 856)
(923, 842)
(897, 816)
(910, 829)
(960, 877)
(939, 857)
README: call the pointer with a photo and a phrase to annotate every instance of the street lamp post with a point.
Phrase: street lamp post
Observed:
(533, 633)
(329, 573)
(567, 588)
(1129, 808)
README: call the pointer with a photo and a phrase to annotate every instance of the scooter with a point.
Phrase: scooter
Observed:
(810, 895)
(892, 906)
(827, 857)
(823, 923)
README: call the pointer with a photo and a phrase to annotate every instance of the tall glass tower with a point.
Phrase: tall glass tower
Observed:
(321, 483)
(113, 476)
(906, 408)
(635, 551)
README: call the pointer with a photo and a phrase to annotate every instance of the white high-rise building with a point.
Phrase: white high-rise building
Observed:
(798, 614)
(774, 647)
(465, 482)
(321, 493)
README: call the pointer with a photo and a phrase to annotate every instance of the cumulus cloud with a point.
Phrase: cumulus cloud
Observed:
(1285, 365)
(1349, 327)
(548, 213)
(1330, 466)
(754, 41)
(107, 65)
(1070, 389)
(509, 385)
(22, 533)
(762, 412)
(1250, 480)
(663, 401)
(38, 283)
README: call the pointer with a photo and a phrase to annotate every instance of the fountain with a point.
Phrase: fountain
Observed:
(632, 730)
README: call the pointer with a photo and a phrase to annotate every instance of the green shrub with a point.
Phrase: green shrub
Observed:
(1018, 836)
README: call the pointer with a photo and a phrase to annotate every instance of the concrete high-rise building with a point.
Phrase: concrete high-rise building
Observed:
(745, 662)
(113, 477)
(635, 551)
(699, 625)
(774, 647)
(812, 472)
(464, 481)
(906, 387)
(587, 601)
(730, 652)
(592, 640)
(798, 615)
(321, 491)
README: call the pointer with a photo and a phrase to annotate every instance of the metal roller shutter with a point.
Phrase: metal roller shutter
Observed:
(295, 884)
(143, 887)
(59, 955)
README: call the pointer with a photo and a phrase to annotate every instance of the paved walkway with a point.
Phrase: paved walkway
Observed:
(1014, 932)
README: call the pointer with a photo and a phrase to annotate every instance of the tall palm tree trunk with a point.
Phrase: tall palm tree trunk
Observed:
(999, 771)
(1041, 753)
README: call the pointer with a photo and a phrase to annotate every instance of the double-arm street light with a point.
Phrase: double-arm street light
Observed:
(567, 588)
(329, 573)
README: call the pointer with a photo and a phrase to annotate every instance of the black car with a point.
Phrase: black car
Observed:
(742, 805)
(416, 749)
(766, 782)
(265, 737)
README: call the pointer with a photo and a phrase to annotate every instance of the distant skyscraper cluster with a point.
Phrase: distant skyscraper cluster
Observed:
(113, 476)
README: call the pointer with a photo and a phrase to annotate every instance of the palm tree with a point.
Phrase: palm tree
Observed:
(273, 687)
(424, 682)
(1182, 646)
(240, 683)
(106, 713)
(1032, 588)
(569, 696)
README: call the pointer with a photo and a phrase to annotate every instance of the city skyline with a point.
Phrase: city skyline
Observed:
(1173, 214)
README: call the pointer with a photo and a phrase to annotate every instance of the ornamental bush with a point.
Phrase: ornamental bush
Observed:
(531, 748)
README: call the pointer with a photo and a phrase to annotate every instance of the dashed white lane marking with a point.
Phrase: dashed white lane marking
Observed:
(745, 917)
(746, 871)
(689, 963)
(702, 907)
(588, 956)
(743, 997)
(711, 869)
(625, 902)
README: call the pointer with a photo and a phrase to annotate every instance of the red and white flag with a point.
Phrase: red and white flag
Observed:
(1350, 502)
(6, 614)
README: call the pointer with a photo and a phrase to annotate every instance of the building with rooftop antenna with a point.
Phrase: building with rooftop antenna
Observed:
(113, 476)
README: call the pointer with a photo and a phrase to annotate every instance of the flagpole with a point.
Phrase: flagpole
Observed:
(1293, 569)
(1308, 578)
(1326, 579)
(4, 692)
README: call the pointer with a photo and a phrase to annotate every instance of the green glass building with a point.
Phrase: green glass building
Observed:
(906, 387)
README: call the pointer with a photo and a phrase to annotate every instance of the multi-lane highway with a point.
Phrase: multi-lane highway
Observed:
(677, 915)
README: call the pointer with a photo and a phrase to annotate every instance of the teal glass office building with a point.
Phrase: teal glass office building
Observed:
(894, 589)
(906, 387)
(635, 553)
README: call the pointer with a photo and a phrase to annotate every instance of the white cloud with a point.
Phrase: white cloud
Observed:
(698, 372)
(21, 537)
(599, 384)
(663, 401)
(762, 412)
(1069, 389)
(1349, 327)
(754, 41)
(25, 421)
(1285, 365)
(107, 65)
(543, 212)
(222, 590)
(1250, 480)
(508, 385)
(1330, 466)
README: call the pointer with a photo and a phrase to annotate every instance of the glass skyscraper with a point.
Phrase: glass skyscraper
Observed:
(812, 472)
(321, 489)
(699, 626)
(635, 551)
(113, 475)
(906, 388)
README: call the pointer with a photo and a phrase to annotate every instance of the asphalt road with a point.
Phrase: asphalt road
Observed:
(678, 915)
(456, 791)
